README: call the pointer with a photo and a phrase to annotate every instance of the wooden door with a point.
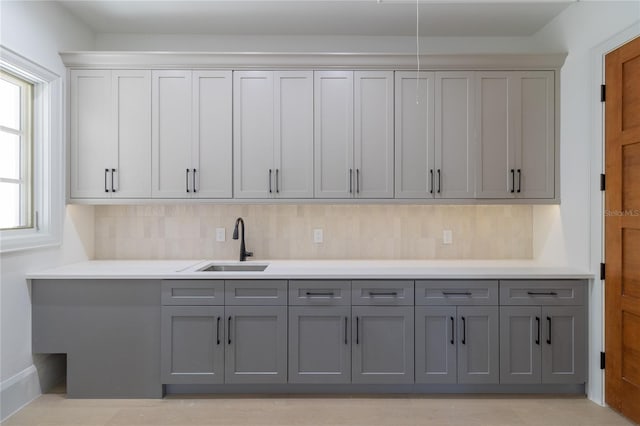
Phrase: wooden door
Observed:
(212, 143)
(93, 153)
(414, 134)
(293, 133)
(454, 139)
(373, 134)
(622, 229)
(333, 134)
(171, 134)
(253, 173)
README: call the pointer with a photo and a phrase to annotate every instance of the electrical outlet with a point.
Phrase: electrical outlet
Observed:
(220, 234)
(447, 236)
(317, 236)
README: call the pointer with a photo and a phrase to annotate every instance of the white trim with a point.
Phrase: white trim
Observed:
(301, 60)
(595, 386)
(18, 391)
(48, 154)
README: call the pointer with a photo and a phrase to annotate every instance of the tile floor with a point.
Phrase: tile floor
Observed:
(407, 410)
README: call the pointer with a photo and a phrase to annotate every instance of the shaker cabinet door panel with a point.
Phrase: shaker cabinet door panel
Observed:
(563, 344)
(436, 345)
(520, 340)
(478, 340)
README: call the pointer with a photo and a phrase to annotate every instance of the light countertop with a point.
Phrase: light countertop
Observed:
(314, 269)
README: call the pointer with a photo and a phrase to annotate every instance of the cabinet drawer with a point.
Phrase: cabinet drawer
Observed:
(192, 292)
(255, 292)
(382, 292)
(320, 292)
(542, 292)
(457, 292)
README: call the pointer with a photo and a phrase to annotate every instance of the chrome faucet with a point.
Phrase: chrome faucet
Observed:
(243, 251)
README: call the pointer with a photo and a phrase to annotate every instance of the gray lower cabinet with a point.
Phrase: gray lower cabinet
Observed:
(382, 350)
(478, 339)
(564, 344)
(319, 344)
(436, 346)
(256, 344)
(192, 344)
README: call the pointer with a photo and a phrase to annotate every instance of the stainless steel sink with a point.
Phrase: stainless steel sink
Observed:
(233, 267)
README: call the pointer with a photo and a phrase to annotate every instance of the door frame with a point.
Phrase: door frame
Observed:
(595, 384)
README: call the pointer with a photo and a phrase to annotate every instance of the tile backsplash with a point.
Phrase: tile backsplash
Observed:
(188, 231)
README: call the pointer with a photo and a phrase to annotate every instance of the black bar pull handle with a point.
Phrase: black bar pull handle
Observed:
(549, 335)
(194, 180)
(464, 331)
(430, 181)
(113, 188)
(513, 181)
(439, 181)
(106, 171)
(452, 331)
(383, 293)
(457, 293)
(519, 180)
(320, 293)
(538, 336)
(357, 330)
(542, 293)
(346, 330)
(350, 181)
(270, 191)
(357, 181)
(218, 331)
(187, 180)
(229, 330)
(277, 181)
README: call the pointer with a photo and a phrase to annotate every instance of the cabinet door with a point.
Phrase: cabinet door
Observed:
(563, 344)
(254, 172)
(382, 350)
(535, 147)
(520, 339)
(414, 168)
(333, 134)
(212, 141)
(192, 344)
(373, 104)
(495, 131)
(93, 151)
(436, 344)
(454, 135)
(319, 344)
(171, 134)
(478, 340)
(132, 113)
(256, 349)
(293, 134)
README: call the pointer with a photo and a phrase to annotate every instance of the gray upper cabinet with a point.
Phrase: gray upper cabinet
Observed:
(273, 134)
(110, 133)
(515, 115)
(382, 349)
(353, 134)
(435, 149)
(192, 344)
(256, 344)
(478, 350)
(436, 344)
(191, 134)
(320, 344)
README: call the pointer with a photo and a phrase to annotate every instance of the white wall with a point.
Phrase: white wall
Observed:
(37, 31)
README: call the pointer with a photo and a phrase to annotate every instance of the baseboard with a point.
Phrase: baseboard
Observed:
(19, 390)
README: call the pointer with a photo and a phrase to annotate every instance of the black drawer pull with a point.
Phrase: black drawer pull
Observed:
(346, 330)
(229, 331)
(113, 189)
(542, 293)
(187, 180)
(457, 293)
(106, 171)
(538, 337)
(218, 331)
(357, 330)
(464, 331)
(452, 331)
(549, 335)
(318, 293)
(383, 293)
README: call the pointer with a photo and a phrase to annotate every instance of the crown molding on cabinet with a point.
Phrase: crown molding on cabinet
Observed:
(275, 60)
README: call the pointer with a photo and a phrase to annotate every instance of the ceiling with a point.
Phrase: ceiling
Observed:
(438, 18)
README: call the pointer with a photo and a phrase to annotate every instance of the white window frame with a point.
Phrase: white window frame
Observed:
(48, 156)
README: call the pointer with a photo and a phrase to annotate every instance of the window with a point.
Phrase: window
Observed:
(16, 146)
(31, 154)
